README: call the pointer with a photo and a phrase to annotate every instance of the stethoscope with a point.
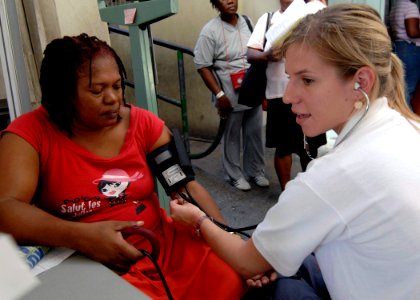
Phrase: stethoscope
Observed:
(358, 88)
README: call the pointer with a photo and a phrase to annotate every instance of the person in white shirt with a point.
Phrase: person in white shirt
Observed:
(357, 208)
(282, 132)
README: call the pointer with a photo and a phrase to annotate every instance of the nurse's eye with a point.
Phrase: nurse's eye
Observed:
(307, 81)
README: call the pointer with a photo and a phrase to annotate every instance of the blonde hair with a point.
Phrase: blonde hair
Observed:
(350, 36)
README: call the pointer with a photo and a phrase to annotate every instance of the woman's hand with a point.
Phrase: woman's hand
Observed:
(262, 279)
(224, 107)
(104, 242)
(185, 212)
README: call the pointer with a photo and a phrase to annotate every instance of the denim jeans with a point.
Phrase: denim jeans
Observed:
(307, 284)
(410, 56)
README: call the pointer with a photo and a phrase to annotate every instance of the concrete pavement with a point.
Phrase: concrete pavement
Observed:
(241, 208)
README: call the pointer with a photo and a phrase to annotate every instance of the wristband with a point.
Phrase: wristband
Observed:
(220, 95)
(198, 224)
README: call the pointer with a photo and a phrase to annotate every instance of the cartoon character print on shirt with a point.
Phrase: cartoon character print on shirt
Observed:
(114, 183)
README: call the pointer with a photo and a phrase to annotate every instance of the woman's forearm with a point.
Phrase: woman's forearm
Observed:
(31, 225)
(205, 201)
(240, 254)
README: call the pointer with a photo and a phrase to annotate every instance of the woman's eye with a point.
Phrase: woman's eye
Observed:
(96, 92)
(307, 81)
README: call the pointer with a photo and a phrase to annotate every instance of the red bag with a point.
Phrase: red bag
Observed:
(237, 78)
(264, 105)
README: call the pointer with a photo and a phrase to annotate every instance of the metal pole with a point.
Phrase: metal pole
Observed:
(141, 58)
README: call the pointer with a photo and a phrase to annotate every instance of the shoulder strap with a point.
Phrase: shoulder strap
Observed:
(248, 22)
(267, 25)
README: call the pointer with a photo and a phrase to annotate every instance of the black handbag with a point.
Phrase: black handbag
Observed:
(252, 91)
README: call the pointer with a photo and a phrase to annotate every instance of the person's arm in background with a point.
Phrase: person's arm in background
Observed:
(30, 225)
(255, 52)
(223, 104)
(412, 27)
(256, 55)
(415, 102)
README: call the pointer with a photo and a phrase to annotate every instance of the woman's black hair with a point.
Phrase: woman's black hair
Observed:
(214, 3)
(63, 60)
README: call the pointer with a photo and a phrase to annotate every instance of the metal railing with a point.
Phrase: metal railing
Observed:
(182, 101)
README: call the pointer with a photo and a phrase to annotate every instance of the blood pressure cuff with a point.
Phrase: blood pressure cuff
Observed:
(171, 164)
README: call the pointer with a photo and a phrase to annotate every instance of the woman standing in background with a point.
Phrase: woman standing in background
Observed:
(219, 55)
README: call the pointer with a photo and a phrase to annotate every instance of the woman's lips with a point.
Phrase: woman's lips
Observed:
(300, 118)
(111, 114)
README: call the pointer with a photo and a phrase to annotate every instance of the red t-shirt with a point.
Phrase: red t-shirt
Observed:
(76, 184)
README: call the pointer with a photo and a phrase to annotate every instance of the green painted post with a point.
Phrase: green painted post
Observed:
(145, 92)
(144, 82)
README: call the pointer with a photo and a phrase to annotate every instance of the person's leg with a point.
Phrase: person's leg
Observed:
(292, 142)
(290, 288)
(311, 273)
(307, 284)
(253, 153)
(231, 150)
(283, 167)
(280, 135)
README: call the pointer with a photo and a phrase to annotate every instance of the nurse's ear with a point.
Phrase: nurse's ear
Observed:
(364, 79)
(364, 82)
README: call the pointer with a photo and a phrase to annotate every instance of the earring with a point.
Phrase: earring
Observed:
(358, 104)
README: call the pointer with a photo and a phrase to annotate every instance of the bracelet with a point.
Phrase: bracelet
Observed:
(220, 95)
(198, 224)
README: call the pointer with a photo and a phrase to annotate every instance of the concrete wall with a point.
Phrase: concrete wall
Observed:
(44, 20)
(49, 19)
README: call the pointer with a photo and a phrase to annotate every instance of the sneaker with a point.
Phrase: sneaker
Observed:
(241, 184)
(261, 181)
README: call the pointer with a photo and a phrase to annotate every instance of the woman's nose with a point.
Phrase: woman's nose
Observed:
(111, 96)
(287, 97)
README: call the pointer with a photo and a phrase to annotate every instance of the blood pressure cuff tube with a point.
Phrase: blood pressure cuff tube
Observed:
(171, 165)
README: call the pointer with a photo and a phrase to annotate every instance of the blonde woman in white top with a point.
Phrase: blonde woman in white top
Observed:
(357, 207)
